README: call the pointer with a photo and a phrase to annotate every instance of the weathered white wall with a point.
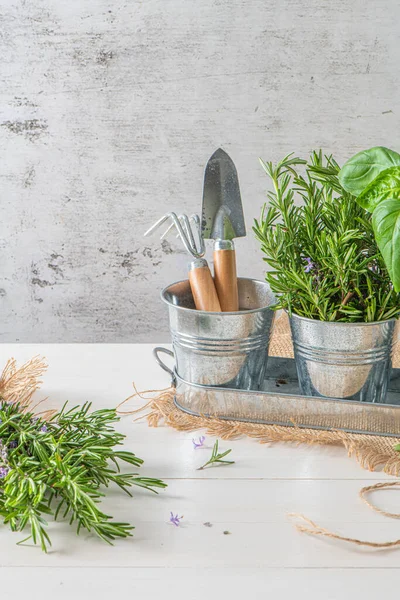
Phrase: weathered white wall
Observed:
(109, 111)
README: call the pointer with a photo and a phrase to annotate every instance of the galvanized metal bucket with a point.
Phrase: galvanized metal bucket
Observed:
(221, 349)
(344, 360)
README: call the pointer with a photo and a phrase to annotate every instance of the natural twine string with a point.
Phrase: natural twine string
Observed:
(374, 488)
(314, 529)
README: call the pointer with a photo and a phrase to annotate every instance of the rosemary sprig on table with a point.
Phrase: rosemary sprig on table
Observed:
(62, 467)
(325, 263)
(217, 459)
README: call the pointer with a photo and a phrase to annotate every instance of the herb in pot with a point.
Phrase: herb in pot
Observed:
(324, 258)
(373, 176)
(62, 467)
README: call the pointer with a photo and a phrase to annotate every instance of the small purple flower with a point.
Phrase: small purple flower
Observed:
(310, 266)
(4, 471)
(13, 444)
(44, 429)
(175, 520)
(200, 443)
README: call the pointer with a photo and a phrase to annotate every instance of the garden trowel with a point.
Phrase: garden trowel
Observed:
(223, 220)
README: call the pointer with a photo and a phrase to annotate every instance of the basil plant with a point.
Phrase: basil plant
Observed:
(373, 176)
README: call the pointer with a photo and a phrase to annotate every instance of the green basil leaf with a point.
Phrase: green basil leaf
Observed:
(362, 168)
(386, 224)
(386, 185)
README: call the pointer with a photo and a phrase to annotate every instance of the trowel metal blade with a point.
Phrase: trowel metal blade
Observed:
(222, 213)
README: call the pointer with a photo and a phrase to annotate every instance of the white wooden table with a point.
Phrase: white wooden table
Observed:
(262, 556)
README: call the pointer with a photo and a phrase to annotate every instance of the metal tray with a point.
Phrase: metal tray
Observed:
(280, 403)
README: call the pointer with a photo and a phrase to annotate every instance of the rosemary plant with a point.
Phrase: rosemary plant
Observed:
(61, 467)
(325, 263)
(217, 458)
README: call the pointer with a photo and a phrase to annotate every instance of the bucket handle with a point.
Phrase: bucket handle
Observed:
(156, 352)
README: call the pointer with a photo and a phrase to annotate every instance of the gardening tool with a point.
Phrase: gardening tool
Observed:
(223, 220)
(200, 278)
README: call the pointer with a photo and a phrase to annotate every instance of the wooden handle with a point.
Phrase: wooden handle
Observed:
(226, 280)
(203, 288)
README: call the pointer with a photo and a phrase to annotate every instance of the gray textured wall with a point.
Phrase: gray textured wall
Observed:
(109, 111)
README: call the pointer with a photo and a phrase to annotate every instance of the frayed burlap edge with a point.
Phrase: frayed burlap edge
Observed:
(372, 452)
(18, 384)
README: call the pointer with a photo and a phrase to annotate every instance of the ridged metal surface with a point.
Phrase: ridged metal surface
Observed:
(344, 360)
(214, 346)
(221, 349)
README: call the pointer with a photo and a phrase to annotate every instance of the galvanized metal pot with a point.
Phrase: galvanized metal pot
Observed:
(344, 360)
(221, 349)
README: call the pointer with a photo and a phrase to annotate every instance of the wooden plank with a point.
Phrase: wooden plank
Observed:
(253, 512)
(248, 545)
(181, 583)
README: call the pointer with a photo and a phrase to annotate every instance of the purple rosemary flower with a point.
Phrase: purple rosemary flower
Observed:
(44, 429)
(13, 444)
(200, 443)
(4, 471)
(310, 266)
(175, 520)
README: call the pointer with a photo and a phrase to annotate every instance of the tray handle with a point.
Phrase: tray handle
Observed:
(161, 350)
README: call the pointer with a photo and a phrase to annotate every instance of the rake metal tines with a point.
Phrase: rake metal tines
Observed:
(185, 226)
